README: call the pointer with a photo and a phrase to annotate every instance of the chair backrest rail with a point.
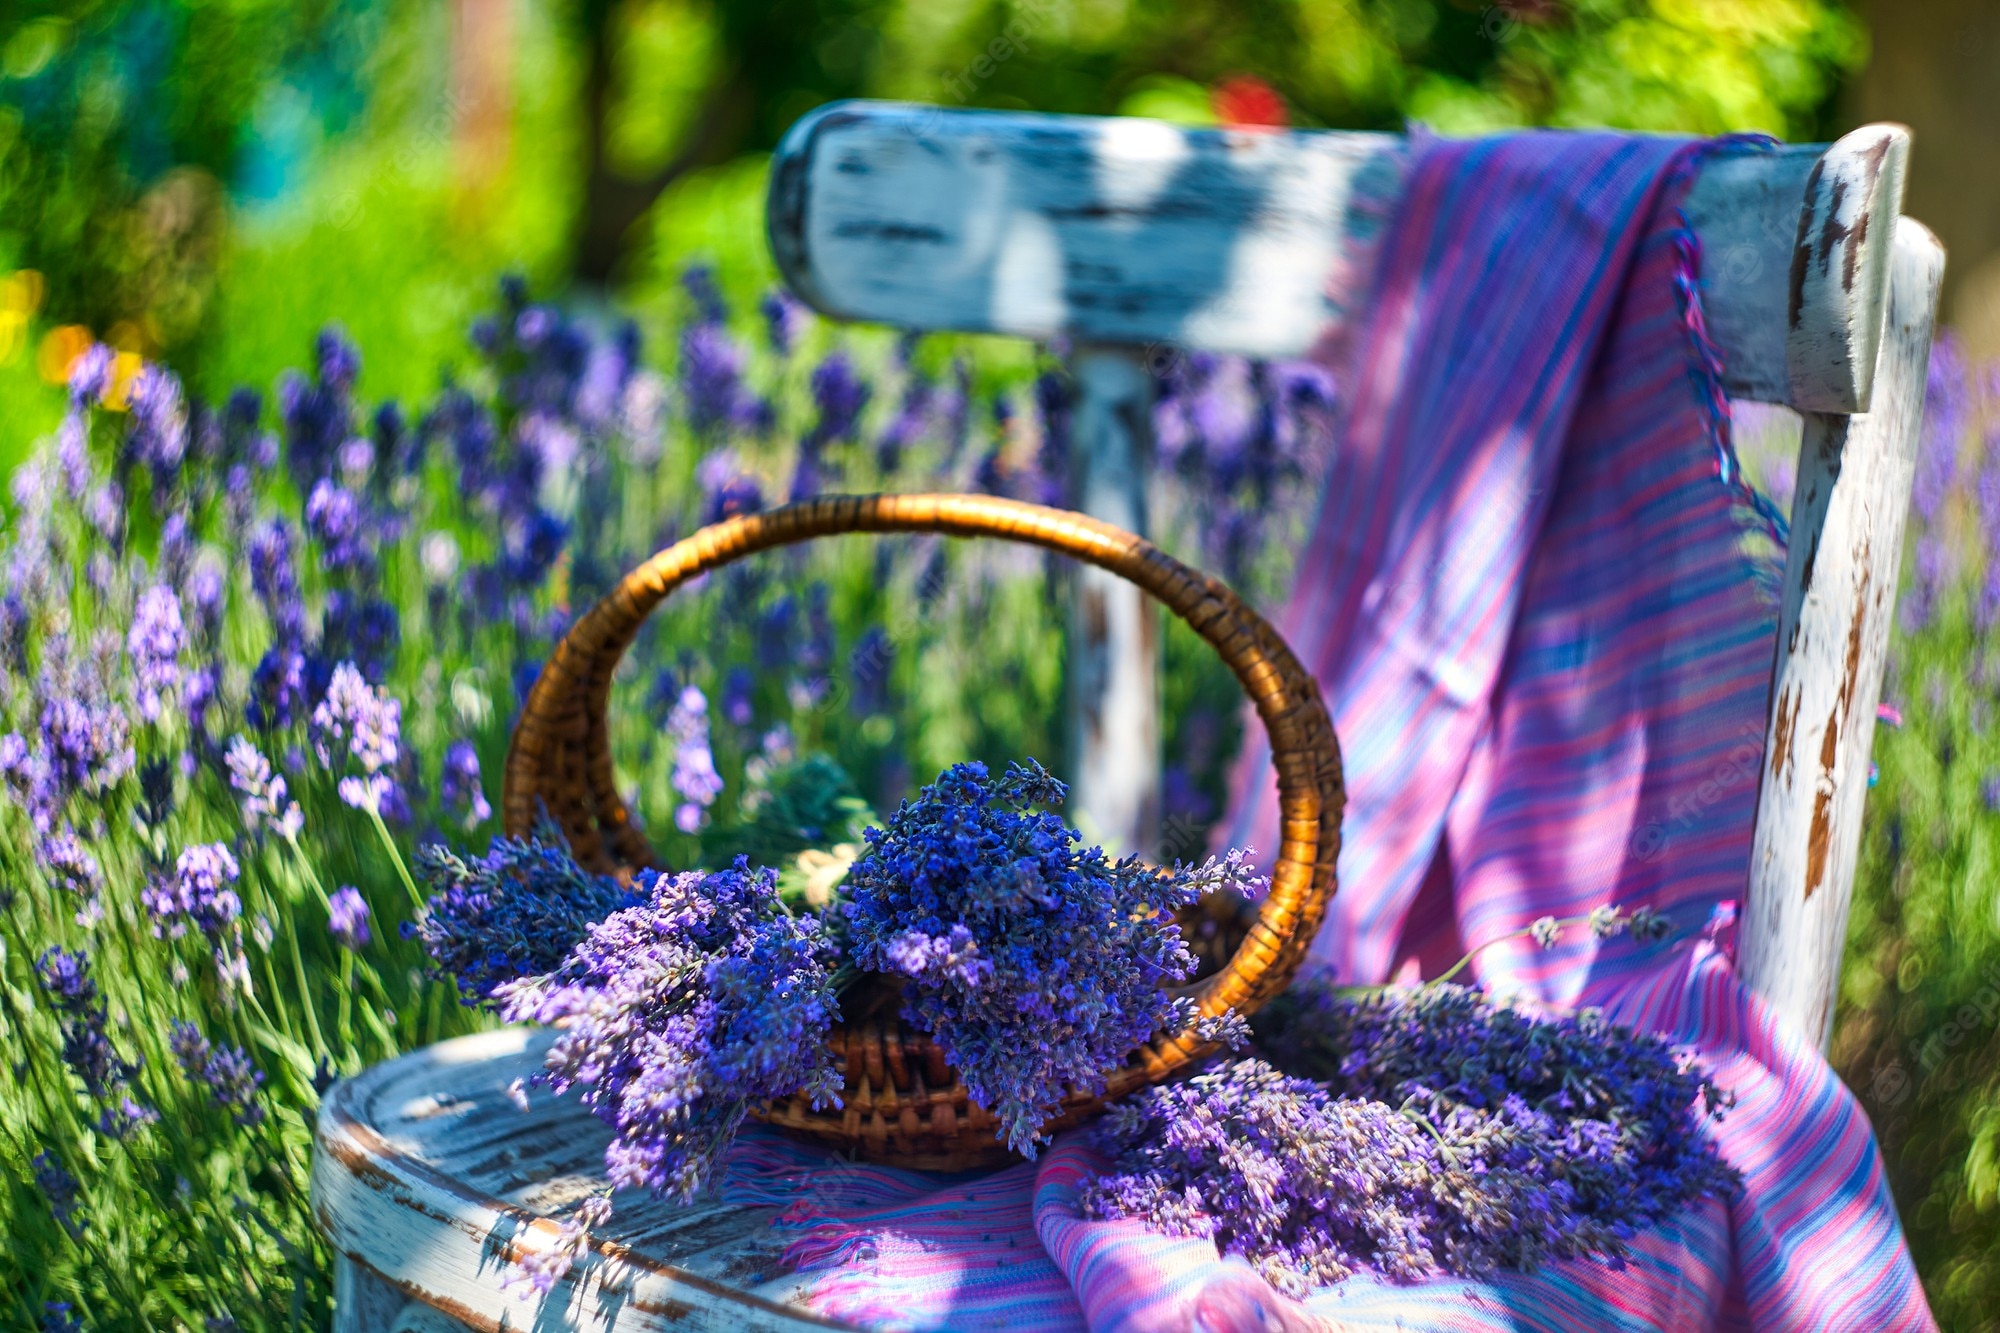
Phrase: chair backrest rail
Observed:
(1141, 233)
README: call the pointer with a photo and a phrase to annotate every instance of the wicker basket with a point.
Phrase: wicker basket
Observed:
(900, 1101)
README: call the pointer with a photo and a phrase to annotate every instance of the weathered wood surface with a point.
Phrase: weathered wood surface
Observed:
(1114, 628)
(1139, 232)
(428, 1181)
(1835, 299)
(1848, 514)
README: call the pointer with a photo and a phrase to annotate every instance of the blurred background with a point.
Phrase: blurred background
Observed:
(209, 185)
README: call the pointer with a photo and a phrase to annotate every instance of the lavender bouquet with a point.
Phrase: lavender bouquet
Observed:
(1036, 962)
(1419, 1132)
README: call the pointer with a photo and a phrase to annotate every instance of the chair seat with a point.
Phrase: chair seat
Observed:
(429, 1181)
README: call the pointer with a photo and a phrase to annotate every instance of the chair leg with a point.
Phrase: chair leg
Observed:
(1848, 514)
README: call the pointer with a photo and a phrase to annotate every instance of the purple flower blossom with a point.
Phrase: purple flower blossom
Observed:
(726, 488)
(232, 1081)
(60, 1317)
(840, 395)
(360, 629)
(274, 578)
(540, 1271)
(681, 1012)
(319, 416)
(347, 918)
(60, 1188)
(694, 777)
(198, 894)
(90, 375)
(515, 912)
(335, 519)
(738, 698)
(81, 1015)
(155, 642)
(785, 319)
(1036, 964)
(1454, 1136)
(869, 665)
(266, 803)
(368, 727)
(712, 379)
(159, 423)
(458, 784)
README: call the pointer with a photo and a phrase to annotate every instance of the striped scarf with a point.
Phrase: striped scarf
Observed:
(1528, 601)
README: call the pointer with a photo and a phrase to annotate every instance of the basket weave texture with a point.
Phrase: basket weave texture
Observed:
(901, 1102)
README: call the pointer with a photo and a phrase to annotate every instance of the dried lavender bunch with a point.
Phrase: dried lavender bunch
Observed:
(1036, 963)
(683, 1011)
(1450, 1135)
(515, 912)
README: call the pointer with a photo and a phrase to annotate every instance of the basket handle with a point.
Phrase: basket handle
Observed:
(560, 759)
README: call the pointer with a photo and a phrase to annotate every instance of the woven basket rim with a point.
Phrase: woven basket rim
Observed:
(900, 1101)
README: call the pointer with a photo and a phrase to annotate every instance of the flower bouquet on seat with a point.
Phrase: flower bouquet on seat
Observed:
(687, 999)
(1405, 1131)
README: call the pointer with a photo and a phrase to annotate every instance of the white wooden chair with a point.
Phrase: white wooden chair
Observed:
(1125, 237)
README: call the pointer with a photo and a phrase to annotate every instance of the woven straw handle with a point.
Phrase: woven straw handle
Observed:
(561, 757)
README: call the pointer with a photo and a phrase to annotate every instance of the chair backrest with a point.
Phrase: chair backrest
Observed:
(1133, 240)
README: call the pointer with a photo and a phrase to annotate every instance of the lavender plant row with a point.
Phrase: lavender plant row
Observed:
(253, 655)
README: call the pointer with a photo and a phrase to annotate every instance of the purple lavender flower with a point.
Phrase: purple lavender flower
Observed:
(869, 666)
(279, 689)
(319, 416)
(81, 1015)
(694, 777)
(1455, 1137)
(60, 1188)
(840, 395)
(208, 593)
(680, 1013)
(60, 1317)
(360, 629)
(458, 785)
(336, 521)
(198, 894)
(159, 423)
(155, 642)
(232, 1081)
(912, 417)
(347, 918)
(90, 375)
(275, 579)
(1987, 613)
(739, 706)
(266, 803)
(540, 1271)
(726, 488)
(712, 379)
(368, 727)
(785, 319)
(515, 912)
(1036, 964)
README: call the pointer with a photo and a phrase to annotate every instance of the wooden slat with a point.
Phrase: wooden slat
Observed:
(1113, 668)
(1840, 594)
(1139, 232)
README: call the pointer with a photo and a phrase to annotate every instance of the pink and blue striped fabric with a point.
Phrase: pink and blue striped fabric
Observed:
(1529, 602)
